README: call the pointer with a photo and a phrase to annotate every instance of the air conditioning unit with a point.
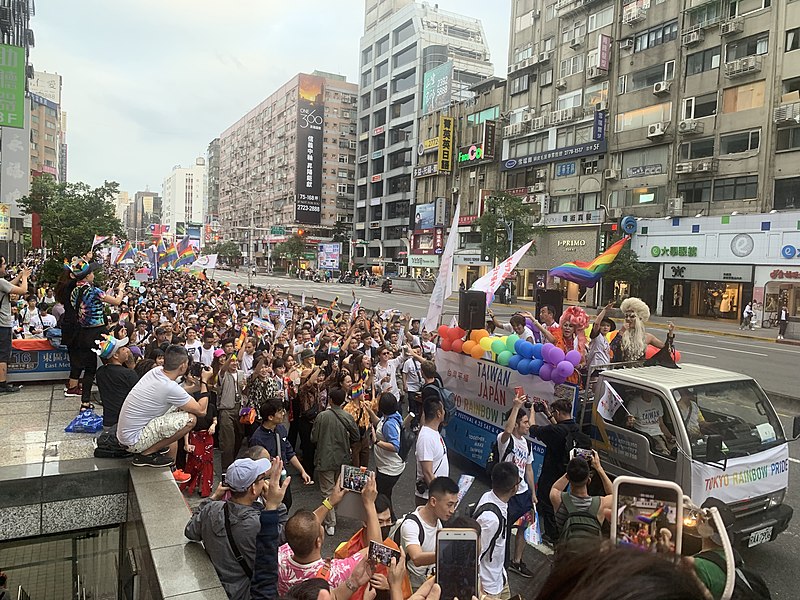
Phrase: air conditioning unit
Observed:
(545, 56)
(562, 116)
(661, 87)
(656, 130)
(706, 166)
(561, 84)
(539, 187)
(528, 115)
(675, 206)
(633, 14)
(742, 66)
(513, 129)
(352, 144)
(610, 174)
(536, 13)
(602, 105)
(375, 225)
(576, 42)
(539, 123)
(595, 73)
(541, 173)
(523, 64)
(626, 44)
(732, 26)
(683, 168)
(690, 126)
(690, 38)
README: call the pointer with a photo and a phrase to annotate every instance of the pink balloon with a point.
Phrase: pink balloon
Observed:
(556, 355)
(564, 369)
(545, 372)
(574, 357)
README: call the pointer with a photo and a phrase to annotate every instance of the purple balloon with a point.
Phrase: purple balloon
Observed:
(546, 348)
(529, 324)
(556, 355)
(574, 357)
(558, 379)
(545, 372)
(564, 368)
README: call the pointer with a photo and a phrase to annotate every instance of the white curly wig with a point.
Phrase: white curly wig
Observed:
(636, 306)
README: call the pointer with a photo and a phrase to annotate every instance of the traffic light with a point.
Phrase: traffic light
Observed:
(301, 232)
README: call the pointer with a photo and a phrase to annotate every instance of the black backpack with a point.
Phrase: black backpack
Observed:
(473, 511)
(575, 439)
(494, 454)
(408, 439)
(748, 584)
(447, 398)
(394, 532)
(581, 524)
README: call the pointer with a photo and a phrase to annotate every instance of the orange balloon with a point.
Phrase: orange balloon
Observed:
(467, 347)
(474, 335)
(477, 352)
(482, 333)
(611, 335)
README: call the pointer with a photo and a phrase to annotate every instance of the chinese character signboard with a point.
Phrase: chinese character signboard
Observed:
(445, 159)
(540, 158)
(599, 125)
(46, 85)
(489, 138)
(425, 170)
(5, 222)
(585, 217)
(605, 52)
(12, 87)
(437, 88)
(310, 118)
(328, 257)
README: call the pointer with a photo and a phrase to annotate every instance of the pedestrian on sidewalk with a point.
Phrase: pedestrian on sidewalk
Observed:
(747, 315)
(783, 320)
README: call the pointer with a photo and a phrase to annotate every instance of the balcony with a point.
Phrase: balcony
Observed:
(633, 14)
(787, 114)
(516, 129)
(742, 66)
(565, 115)
(565, 8)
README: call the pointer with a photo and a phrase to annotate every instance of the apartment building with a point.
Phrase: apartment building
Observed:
(289, 164)
(46, 124)
(143, 217)
(414, 60)
(183, 199)
(211, 224)
(650, 108)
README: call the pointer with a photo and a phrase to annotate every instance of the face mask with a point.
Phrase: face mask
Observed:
(385, 531)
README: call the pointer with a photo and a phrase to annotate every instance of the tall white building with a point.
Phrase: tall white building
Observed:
(414, 59)
(183, 197)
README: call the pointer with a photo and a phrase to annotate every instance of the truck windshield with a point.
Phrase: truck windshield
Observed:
(737, 410)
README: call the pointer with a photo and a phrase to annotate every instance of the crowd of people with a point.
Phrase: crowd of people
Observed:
(190, 365)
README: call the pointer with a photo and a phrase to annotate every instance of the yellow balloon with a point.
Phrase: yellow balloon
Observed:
(504, 339)
(588, 331)
(486, 343)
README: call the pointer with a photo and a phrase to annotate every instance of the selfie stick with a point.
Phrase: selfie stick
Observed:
(730, 566)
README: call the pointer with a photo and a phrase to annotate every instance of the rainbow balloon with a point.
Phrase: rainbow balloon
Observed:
(588, 274)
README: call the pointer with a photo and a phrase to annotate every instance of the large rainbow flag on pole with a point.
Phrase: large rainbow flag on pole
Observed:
(186, 257)
(171, 254)
(125, 253)
(588, 274)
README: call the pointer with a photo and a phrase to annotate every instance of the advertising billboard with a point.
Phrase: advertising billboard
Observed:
(329, 255)
(445, 157)
(424, 216)
(16, 163)
(310, 119)
(12, 82)
(437, 88)
(46, 85)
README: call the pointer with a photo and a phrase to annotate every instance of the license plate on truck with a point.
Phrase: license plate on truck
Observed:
(760, 536)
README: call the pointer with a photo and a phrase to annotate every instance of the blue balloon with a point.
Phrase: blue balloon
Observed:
(535, 365)
(527, 350)
(524, 366)
(518, 346)
(513, 362)
(537, 351)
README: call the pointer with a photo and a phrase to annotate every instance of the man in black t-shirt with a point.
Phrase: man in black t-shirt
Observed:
(114, 380)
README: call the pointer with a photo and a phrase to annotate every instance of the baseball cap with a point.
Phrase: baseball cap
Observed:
(307, 353)
(242, 473)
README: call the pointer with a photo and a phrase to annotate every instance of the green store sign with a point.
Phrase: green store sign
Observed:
(673, 251)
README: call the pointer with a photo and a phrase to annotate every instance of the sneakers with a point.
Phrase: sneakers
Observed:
(180, 476)
(520, 568)
(9, 388)
(73, 392)
(330, 530)
(152, 460)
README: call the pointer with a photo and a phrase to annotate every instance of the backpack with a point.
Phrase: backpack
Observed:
(581, 524)
(408, 439)
(394, 532)
(494, 453)
(575, 439)
(473, 511)
(748, 584)
(446, 397)
(108, 446)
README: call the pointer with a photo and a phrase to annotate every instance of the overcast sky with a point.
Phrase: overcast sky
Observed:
(147, 84)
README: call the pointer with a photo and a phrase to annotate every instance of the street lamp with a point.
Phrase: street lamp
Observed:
(250, 194)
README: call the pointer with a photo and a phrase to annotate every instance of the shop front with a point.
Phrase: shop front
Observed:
(714, 291)
(469, 268)
(423, 265)
(777, 286)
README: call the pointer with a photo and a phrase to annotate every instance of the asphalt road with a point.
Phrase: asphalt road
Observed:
(773, 366)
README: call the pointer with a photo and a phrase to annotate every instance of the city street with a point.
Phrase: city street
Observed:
(772, 365)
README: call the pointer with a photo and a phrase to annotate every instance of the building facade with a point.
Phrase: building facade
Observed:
(289, 165)
(651, 108)
(143, 217)
(47, 135)
(414, 60)
(183, 199)
(211, 223)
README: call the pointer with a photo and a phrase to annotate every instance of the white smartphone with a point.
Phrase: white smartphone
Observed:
(457, 563)
(647, 515)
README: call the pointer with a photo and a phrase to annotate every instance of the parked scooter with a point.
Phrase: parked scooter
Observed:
(386, 286)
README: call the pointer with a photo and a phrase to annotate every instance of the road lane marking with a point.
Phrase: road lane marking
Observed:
(794, 460)
(724, 349)
(686, 352)
(768, 349)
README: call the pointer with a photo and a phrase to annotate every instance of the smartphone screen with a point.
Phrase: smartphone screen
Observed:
(648, 515)
(354, 478)
(380, 554)
(457, 564)
(519, 391)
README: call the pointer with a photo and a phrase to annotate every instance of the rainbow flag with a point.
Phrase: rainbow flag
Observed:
(186, 257)
(171, 255)
(588, 274)
(99, 239)
(357, 391)
(125, 253)
(163, 261)
(242, 338)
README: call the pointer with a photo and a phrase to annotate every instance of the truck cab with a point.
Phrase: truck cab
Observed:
(713, 432)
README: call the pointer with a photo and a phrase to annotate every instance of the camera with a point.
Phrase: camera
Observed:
(421, 486)
(539, 407)
(195, 368)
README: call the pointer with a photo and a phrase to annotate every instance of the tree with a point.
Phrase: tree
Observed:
(228, 250)
(72, 213)
(626, 267)
(500, 210)
(292, 249)
(343, 233)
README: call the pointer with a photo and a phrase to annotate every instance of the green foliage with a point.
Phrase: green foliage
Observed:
(72, 213)
(292, 249)
(227, 250)
(504, 208)
(626, 267)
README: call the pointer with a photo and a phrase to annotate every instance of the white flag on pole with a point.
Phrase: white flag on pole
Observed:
(444, 282)
(609, 403)
(494, 278)
(207, 261)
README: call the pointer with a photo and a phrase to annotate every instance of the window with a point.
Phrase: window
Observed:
(697, 107)
(570, 66)
(550, 12)
(656, 36)
(789, 138)
(743, 141)
(696, 149)
(653, 155)
(50, 125)
(793, 39)
(382, 46)
(571, 32)
(643, 117)
(736, 188)
(404, 57)
(403, 82)
(404, 32)
(485, 115)
(523, 54)
(382, 70)
(563, 204)
(595, 94)
(366, 79)
(650, 76)
(565, 137)
(743, 97)
(787, 193)
(700, 62)
(753, 45)
(380, 94)
(570, 100)
(531, 145)
(366, 56)
(695, 191)
(547, 45)
(704, 15)
(638, 196)
(546, 78)
(601, 18)
(583, 135)
(519, 85)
